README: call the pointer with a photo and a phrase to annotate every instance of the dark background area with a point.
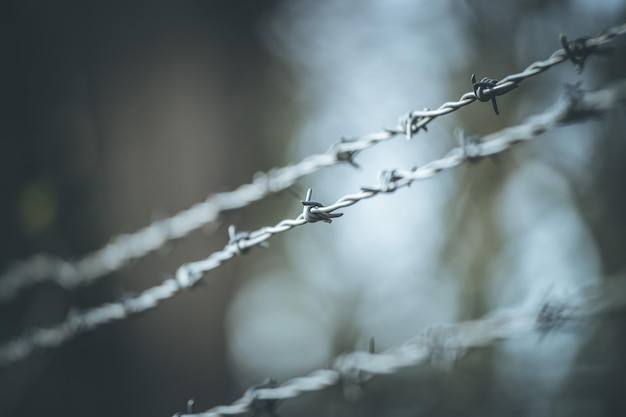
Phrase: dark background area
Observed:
(114, 114)
(120, 112)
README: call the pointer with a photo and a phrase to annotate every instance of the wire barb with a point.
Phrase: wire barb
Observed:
(190, 405)
(411, 123)
(469, 144)
(346, 155)
(311, 215)
(238, 240)
(444, 346)
(554, 314)
(260, 406)
(387, 181)
(578, 50)
(485, 90)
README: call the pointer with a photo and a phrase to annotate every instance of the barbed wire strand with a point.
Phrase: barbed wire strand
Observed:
(121, 250)
(576, 105)
(575, 51)
(441, 345)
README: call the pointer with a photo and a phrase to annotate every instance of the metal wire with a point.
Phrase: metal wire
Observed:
(574, 106)
(441, 345)
(121, 250)
(585, 47)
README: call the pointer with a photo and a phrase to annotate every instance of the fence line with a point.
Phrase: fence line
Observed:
(575, 105)
(127, 247)
(442, 345)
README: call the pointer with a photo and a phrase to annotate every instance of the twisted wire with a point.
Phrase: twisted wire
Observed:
(575, 106)
(121, 250)
(441, 345)
(505, 85)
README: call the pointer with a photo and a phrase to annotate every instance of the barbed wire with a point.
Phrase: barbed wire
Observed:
(574, 106)
(441, 345)
(488, 89)
(121, 250)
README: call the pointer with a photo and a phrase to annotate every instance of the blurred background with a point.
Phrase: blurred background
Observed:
(119, 113)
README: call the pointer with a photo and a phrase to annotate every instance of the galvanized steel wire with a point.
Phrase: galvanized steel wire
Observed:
(121, 250)
(575, 106)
